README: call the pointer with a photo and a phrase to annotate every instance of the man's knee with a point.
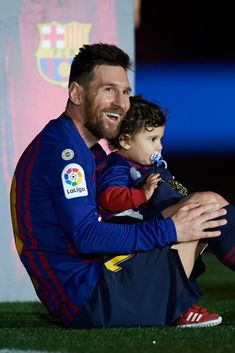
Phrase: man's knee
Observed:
(207, 197)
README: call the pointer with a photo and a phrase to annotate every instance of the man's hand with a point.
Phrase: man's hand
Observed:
(151, 184)
(194, 221)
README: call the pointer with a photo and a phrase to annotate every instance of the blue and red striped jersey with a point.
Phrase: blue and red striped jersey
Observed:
(58, 234)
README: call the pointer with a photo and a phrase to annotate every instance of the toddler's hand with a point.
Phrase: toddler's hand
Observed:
(151, 184)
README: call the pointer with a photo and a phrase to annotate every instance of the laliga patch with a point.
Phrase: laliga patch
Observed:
(67, 154)
(74, 181)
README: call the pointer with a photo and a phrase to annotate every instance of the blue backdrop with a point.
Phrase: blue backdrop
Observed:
(200, 99)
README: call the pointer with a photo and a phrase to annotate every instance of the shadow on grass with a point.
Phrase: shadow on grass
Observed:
(25, 315)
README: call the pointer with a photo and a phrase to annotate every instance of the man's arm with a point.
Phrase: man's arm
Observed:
(88, 235)
(77, 214)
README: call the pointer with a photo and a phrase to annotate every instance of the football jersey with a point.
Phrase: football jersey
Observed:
(58, 233)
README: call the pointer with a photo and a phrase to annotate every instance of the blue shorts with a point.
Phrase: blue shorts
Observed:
(150, 289)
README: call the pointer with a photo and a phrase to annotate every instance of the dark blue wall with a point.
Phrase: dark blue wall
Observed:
(200, 99)
(199, 142)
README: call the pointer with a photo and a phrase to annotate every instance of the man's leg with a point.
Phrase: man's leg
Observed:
(224, 245)
(147, 289)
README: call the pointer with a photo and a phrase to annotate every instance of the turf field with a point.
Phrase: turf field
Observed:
(27, 327)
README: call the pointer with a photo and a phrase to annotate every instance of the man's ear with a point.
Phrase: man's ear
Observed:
(125, 142)
(75, 93)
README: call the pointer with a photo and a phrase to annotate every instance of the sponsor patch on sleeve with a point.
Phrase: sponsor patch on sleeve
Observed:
(74, 181)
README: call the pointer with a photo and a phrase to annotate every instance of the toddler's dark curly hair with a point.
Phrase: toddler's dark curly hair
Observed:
(141, 113)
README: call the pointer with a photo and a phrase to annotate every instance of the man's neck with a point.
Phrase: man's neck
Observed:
(78, 122)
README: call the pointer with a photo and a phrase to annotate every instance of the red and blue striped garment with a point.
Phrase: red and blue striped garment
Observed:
(58, 235)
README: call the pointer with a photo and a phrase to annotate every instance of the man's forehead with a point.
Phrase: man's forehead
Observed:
(111, 72)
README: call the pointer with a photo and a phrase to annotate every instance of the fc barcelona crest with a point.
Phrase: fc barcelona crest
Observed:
(59, 43)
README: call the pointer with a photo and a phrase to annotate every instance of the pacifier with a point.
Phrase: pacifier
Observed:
(156, 157)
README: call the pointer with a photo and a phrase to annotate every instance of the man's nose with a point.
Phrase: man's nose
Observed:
(121, 100)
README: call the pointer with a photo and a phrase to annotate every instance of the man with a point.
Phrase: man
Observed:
(63, 244)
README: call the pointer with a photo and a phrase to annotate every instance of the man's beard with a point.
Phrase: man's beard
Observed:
(100, 131)
(97, 126)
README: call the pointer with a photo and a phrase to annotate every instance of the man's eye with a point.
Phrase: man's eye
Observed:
(127, 93)
(109, 89)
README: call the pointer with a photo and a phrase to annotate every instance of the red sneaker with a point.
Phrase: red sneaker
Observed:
(196, 316)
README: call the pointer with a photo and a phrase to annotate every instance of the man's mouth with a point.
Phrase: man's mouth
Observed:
(113, 116)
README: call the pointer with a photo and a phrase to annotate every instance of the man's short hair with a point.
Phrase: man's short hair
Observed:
(92, 55)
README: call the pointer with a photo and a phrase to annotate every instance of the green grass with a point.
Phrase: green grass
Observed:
(27, 325)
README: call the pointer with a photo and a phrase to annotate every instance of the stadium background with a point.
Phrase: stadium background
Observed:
(185, 61)
(38, 41)
(185, 55)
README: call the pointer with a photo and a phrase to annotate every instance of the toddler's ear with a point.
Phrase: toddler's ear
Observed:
(125, 142)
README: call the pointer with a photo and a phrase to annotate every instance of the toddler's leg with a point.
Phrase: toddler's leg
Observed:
(201, 197)
(188, 253)
(223, 246)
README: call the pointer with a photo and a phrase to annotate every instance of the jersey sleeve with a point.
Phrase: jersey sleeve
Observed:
(118, 199)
